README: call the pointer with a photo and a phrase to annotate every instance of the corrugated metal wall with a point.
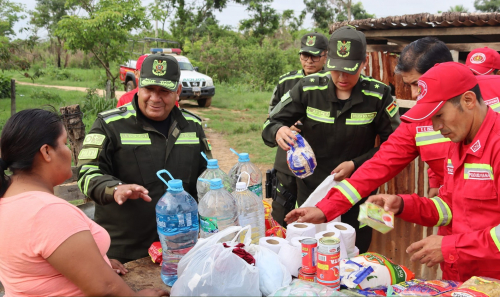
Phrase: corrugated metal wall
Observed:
(413, 179)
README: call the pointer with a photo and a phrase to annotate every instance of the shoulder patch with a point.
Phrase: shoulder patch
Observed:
(94, 139)
(296, 74)
(372, 87)
(289, 73)
(317, 81)
(187, 113)
(113, 111)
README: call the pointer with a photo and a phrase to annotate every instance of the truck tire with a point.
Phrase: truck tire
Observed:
(204, 102)
(129, 86)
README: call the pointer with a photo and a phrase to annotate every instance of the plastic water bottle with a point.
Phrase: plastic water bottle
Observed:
(244, 165)
(217, 209)
(250, 210)
(213, 171)
(177, 225)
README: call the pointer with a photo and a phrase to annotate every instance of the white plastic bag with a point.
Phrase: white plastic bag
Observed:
(213, 270)
(318, 194)
(306, 288)
(272, 274)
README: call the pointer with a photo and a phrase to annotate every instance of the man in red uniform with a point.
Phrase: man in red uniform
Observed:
(450, 96)
(406, 143)
(483, 61)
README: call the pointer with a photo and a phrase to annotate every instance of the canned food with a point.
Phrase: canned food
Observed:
(309, 247)
(307, 276)
(328, 269)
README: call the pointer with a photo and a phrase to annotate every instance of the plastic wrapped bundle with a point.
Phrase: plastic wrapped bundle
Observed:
(300, 158)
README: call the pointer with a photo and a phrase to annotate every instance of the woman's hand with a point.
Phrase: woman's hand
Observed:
(118, 267)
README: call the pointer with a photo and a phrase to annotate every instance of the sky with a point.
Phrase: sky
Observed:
(381, 8)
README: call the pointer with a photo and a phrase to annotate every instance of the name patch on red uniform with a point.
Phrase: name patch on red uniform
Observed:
(479, 175)
(492, 101)
(422, 129)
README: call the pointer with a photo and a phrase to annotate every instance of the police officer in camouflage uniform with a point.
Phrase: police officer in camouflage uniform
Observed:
(343, 113)
(128, 145)
(312, 53)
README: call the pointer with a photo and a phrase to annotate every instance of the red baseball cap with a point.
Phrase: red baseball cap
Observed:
(138, 64)
(442, 82)
(483, 61)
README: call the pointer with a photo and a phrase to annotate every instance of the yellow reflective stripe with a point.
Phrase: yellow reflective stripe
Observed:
(444, 211)
(309, 88)
(86, 167)
(192, 119)
(81, 182)
(477, 168)
(298, 75)
(361, 118)
(187, 141)
(371, 93)
(319, 115)
(128, 138)
(320, 74)
(124, 115)
(495, 235)
(265, 124)
(357, 122)
(495, 107)
(372, 79)
(431, 137)
(349, 191)
(87, 181)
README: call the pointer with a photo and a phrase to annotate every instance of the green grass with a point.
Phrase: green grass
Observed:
(239, 116)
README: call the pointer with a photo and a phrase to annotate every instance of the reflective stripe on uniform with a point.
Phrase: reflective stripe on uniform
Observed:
(187, 138)
(495, 235)
(87, 181)
(320, 115)
(265, 124)
(431, 137)
(361, 118)
(298, 75)
(495, 107)
(125, 115)
(449, 167)
(190, 118)
(371, 93)
(309, 88)
(349, 191)
(478, 171)
(444, 211)
(87, 169)
(137, 139)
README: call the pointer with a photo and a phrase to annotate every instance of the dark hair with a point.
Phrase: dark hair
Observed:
(456, 100)
(422, 54)
(22, 137)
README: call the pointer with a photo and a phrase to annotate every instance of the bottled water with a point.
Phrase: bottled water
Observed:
(213, 171)
(254, 178)
(250, 211)
(177, 225)
(217, 210)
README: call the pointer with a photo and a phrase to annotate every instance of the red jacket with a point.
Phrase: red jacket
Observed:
(404, 145)
(469, 198)
(127, 98)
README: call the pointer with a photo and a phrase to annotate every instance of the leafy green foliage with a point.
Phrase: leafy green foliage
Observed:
(323, 13)
(358, 12)
(94, 104)
(10, 13)
(51, 97)
(487, 5)
(4, 86)
(263, 21)
(458, 8)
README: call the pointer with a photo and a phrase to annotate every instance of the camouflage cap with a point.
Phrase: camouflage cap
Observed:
(313, 43)
(160, 70)
(346, 50)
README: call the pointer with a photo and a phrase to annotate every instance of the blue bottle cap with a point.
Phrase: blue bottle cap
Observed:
(175, 186)
(215, 184)
(243, 157)
(212, 164)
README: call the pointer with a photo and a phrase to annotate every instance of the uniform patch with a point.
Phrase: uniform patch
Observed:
(476, 146)
(208, 145)
(364, 116)
(492, 101)
(478, 58)
(479, 175)
(187, 135)
(311, 40)
(286, 96)
(94, 139)
(135, 139)
(422, 89)
(449, 167)
(343, 48)
(392, 109)
(159, 68)
(423, 129)
(88, 154)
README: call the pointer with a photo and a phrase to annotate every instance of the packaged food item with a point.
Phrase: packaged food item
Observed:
(376, 217)
(478, 287)
(268, 219)
(385, 272)
(328, 272)
(377, 291)
(300, 287)
(429, 288)
(300, 158)
(400, 287)
(277, 231)
(155, 252)
(310, 277)
(309, 255)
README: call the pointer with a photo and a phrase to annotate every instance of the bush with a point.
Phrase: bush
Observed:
(46, 95)
(4, 86)
(94, 103)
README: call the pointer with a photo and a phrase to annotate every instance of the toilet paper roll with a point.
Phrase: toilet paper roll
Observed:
(273, 243)
(291, 257)
(300, 229)
(334, 233)
(347, 233)
(296, 241)
(355, 253)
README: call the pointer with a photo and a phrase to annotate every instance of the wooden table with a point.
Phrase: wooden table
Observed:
(144, 274)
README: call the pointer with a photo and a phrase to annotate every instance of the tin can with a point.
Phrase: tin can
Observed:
(309, 247)
(328, 270)
(310, 277)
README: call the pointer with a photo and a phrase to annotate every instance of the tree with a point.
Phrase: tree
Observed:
(46, 15)
(322, 12)
(358, 13)
(10, 13)
(343, 5)
(290, 22)
(487, 5)
(162, 11)
(458, 8)
(264, 19)
(104, 31)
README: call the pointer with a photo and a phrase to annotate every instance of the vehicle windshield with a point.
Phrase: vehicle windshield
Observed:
(185, 66)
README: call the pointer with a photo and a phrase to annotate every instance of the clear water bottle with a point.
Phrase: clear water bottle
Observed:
(213, 171)
(217, 210)
(177, 225)
(250, 210)
(254, 180)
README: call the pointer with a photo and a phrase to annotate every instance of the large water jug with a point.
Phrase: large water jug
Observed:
(177, 225)
(250, 210)
(254, 180)
(217, 210)
(213, 171)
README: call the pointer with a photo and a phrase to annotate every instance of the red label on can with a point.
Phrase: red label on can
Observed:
(328, 270)
(309, 247)
(306, 276)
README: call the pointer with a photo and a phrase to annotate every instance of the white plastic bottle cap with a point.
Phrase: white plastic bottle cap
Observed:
(241, 186)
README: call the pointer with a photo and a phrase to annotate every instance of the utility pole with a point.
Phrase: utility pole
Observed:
(156, 21)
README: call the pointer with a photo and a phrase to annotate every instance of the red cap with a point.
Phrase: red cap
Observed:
(442, 82)
(483, 61)
(138, 64)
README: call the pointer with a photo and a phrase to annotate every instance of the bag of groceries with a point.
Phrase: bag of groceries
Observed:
(300, 158)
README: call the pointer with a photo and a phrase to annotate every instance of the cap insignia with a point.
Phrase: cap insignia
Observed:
(343, 48)
(159, 68)
(478, 58)
(422, 89)
(311, 40)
